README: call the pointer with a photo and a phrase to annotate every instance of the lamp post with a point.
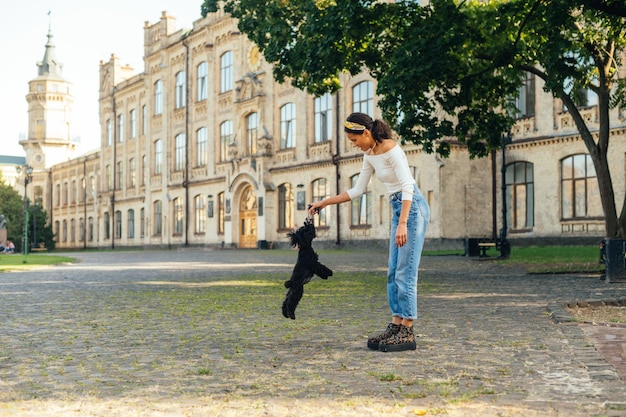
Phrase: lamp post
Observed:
(28, 176)
(505, 247)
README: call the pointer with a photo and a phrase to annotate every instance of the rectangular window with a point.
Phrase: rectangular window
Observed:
(288, 126)
(158, 156)
(158, 98)
(203, 72)
(179, 154)
(144, 120)
(202, 150)
(181, 90)
(132, 173)
(199, 210)
(120, 128)
(158, 217)
(323, 118)
(178, 216)
(252, 132)
(131, 223)
(226, 133)
(363, 98)
(133, 124)
(226, 72)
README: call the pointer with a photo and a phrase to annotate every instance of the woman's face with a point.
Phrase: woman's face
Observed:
(362, 141)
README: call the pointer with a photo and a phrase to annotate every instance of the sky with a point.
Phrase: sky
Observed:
(85, 32)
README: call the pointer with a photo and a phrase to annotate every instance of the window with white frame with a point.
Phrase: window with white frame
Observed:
(319, 191)
(157, 213)
(120, 128)
(178, 216)
(252, 133)
(158, 97)
(525, 100)
(133, 124)
(580, 195)
(323, 118)
(226, 72)
(200, 213)
(132, 173)
(179, 152)
(130, 221)
(520, 195)
(203, 75)
(109, 132)
(361, 206)
(158, 156)
(226, 137)
(288, 126)
(202, 147)
(363, 98)
(180, 90)
(285, 206)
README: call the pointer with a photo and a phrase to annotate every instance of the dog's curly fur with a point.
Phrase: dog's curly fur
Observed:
(306, 266)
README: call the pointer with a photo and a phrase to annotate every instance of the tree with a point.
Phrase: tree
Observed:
(450, 69)
(12, 206)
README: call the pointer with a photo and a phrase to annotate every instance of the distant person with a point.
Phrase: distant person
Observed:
(10, 247)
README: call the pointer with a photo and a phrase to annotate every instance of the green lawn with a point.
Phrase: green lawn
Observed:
(547, 259)
(21, 262)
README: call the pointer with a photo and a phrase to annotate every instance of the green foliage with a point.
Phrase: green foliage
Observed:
(12, 206)
(450, 70)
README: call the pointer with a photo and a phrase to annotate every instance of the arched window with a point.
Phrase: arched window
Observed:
(200, 214)
(158, 97)
(520, 195)
(157, 213)
(107, 226)
(320, 191)
(158, 157)
(203, 89)
(226, 72)
(580, 197)
(181, 90)
(118, 224)
(285, 206)
(323, 118)
(288, 126)
(180, 152)
(202, 150)
(361, 206)
(226, 137)
(252, 132)
(178, 216)
(363, 98)
(131, 223)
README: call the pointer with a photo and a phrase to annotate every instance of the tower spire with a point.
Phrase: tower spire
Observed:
(49, 65)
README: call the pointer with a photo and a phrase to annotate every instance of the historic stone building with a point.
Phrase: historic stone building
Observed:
(203, 147)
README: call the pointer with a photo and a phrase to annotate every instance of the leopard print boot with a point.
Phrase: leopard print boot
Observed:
(404, 339)
(374, 342)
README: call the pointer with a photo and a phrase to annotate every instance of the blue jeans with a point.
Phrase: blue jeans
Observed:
(404, 261)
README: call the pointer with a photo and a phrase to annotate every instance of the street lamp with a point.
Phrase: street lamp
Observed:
(28, 176)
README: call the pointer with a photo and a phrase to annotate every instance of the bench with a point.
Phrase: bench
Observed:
(40, 248)
(484, 247)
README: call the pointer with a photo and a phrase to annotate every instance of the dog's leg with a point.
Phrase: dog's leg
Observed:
(322, 271)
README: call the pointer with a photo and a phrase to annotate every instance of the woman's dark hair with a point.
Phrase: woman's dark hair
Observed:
(379, 129)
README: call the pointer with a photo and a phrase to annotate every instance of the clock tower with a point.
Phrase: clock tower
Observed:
(49, 114)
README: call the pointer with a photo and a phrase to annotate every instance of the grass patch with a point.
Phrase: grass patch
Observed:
(545, 259)
(22, 262)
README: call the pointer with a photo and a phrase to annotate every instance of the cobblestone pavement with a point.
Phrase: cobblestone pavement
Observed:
(199, 333)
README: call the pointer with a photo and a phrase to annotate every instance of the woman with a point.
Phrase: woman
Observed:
(408, 226)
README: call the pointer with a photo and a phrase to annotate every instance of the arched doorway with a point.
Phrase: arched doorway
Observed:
(248, 219)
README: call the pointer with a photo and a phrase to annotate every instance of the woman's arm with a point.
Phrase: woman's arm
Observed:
(338, 199)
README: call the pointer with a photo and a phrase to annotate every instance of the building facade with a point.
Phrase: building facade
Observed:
(204, 148)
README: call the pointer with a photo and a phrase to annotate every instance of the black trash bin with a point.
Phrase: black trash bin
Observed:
(614, 254)
(471, 247)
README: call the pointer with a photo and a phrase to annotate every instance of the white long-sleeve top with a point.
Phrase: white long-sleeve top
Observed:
(392, 168)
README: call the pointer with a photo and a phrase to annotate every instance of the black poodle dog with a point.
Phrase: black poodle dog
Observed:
(306, 266)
